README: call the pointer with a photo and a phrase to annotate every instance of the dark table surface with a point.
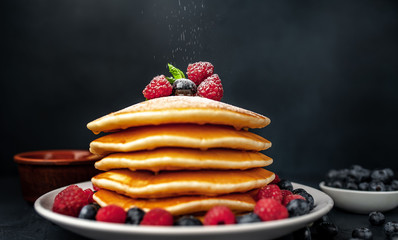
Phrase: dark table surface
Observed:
(18, 219)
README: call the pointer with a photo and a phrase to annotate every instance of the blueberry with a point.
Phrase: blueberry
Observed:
(89, 211)
(351, 186)
(285, 184)
(394, 185)
(302, 234)
(363, 186)
(324, 218)
(188, 221)
(134, 216)
(326, 229)
(362, 233)
(307, 197)
(337, 184)
(390, 228)
(298, 207)
(377, 186)
(331, 175)
(393, 236)
(184, 87)
(380, 175)
(376, 218)
(359, 174)
(248, 218)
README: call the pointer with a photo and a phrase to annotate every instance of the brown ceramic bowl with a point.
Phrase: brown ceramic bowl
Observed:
(43, 171)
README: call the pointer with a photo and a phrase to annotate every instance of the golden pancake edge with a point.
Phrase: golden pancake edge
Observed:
(178, 109)
(237, 202)
(146, 184)
(178, 135)
(184, 158)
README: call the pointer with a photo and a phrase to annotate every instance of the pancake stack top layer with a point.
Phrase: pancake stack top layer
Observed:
(185, 154)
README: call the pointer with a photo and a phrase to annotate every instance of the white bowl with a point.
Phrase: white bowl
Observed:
(362, 202)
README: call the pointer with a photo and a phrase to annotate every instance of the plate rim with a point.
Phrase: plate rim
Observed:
(74, 222)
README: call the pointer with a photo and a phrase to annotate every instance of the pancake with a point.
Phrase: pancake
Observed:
(145, 184)
(178, 135)
(184, 158)
(178, 109)
(238, 202)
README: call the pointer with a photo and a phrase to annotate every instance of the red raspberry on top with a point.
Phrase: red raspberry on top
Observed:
(211, 88)
(70, 201)
(270, 191)
(219, 215)
(291, 197)
(159, 86)
(157, 217)
(199, 71)
(269, 209)
(111, 213)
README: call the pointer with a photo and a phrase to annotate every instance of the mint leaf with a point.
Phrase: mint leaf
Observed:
(177, 73)
(171, 80)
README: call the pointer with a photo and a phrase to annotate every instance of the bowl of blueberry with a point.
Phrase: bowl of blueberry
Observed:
(361, 190)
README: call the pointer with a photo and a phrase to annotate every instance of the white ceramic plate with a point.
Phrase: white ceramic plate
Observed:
(262, 230)
(362, 202)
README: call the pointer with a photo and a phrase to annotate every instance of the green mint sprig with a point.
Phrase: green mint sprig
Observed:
(175, 72)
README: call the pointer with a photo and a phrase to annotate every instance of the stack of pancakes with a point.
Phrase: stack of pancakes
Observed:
(181, 153)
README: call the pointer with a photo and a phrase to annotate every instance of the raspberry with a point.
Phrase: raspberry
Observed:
(69, 201)
(157, 217)
(285, 193)
(270, 191)
(219, 215)
(211, 88)
(111, 213)
(199, 71)
(270, 209)
(89, 194)
(158, 87)
(276, 180)
(291, 197)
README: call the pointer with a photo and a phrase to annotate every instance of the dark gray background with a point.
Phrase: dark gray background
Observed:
(325, 72)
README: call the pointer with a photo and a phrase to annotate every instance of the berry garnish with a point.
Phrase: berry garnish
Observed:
(285, 193)
(291, 197)
(159, 86)
(306, 195)
(135, 216)
(362, 233)
(211, 88)
(69, 201)
(270, 209)
(390, 228)
(326, 229)
(199, 71)
(89, 211)
(285, 184)
(270, 191)
(298, 207)
(376, 218)
(188, 221)
(157, 217)
(276, 180)
(219, 215)
(89, 194)
(184, 87)
(248, 218)
(302, 234)
(111, 213)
